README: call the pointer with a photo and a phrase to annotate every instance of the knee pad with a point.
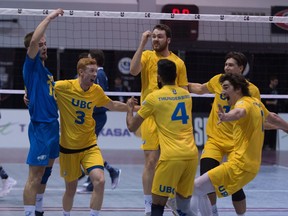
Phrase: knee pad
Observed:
(238, 196)
(207, 164)
(47, 173)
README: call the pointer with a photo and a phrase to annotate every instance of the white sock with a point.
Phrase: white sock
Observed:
(94, 212)
(66, 213)
(29, 210)
(148, 203)
(194, 204)
(39, 202)
(204, 205)
(214, 210)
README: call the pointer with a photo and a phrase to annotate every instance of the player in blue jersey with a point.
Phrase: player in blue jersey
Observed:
(100, 117)
(44, 127)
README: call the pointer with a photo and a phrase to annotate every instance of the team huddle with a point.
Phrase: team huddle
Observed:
(235, 129)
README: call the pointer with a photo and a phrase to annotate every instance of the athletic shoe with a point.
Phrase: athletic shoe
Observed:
(84, 191)
(7, 185)
(171, 204)
(115, 178)
(37, 213)
(87, 182)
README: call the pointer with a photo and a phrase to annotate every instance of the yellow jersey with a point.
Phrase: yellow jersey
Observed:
(222, 133)
(171, 107)
(248, 134)
(149, 61)
(76, 108)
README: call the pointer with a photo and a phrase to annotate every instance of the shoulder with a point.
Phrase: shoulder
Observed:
(176, 58)
(64, 83)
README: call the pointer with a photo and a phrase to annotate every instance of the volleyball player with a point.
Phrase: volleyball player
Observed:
(220, 137)
(146, 63)
(44, 127)
(171, 109)
(100, 117)
(76, 100)
(249, 116)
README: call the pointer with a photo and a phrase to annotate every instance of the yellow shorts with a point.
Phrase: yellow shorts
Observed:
(174, 176)
(70, 164)
(149, 135)
(229, 178)
(215, 151)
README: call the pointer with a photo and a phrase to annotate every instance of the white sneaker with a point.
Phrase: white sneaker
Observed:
(83, 191)
(85, 184)
(171, 204)
(7, 185)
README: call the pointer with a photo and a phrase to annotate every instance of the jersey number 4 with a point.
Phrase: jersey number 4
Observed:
(180, 113)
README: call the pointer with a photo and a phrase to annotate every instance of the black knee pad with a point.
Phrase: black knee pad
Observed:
(238, 196)
(207, 164)
(47, 173)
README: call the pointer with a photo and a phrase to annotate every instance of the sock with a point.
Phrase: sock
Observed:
(39, 202)
(29, 210)
(214, 210)
(148, 203)
(3, 174)
(66, 213)
(108, 167)
(157, 210)
(194, 205)
(204, 205)
(94, 212)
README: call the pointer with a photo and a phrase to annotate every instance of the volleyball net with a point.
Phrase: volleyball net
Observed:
(201, 40)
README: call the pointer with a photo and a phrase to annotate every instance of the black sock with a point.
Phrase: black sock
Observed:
(157, 210)
(3, 174)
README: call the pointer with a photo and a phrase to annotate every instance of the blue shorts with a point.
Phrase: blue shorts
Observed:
(44, 143)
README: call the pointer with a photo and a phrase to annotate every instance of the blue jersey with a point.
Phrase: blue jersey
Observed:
(101, 80)
(38, 82)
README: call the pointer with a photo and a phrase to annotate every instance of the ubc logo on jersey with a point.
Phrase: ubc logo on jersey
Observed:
(166, 189)
(82, 104)
(223, 191)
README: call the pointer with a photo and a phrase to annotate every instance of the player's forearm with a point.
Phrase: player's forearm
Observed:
(119, 106)
(135, 65)
(129, 121)
(197, 88)
(234, 115)
(277, 122)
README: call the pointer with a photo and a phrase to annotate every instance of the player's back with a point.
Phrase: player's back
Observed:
(173, 116)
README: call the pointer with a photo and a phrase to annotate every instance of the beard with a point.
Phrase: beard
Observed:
(160, 47)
